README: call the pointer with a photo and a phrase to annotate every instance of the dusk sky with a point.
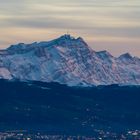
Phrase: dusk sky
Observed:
(112, 25)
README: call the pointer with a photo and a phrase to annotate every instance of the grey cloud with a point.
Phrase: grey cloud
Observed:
(76, 15)
(73, 24)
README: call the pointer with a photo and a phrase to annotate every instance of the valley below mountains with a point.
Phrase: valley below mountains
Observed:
(107, 112)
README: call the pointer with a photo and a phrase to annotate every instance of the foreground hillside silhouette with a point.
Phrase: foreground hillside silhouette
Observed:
(58, 109)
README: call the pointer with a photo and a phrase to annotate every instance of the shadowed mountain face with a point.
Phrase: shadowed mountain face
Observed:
(68, 60)
(60, 109)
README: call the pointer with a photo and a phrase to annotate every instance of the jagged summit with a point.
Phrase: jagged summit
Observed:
(70, 37)
(68, 60)
(104, 53)
(62, 40)
(67, 37)
(126, 55)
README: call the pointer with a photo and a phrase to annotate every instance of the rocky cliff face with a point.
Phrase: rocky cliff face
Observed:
(68, 60)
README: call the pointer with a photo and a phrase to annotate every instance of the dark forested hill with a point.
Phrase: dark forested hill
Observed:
(57, 108)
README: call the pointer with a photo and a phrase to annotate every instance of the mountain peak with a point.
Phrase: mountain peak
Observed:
(67, 60)
(70, 37)
(17, 46)
(126, 55)
(67, 37)
(104, 54)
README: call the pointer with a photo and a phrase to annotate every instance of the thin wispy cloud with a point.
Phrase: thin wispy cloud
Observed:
(105, 24)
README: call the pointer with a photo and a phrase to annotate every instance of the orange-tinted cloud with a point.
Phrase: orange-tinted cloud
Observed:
(105, 24)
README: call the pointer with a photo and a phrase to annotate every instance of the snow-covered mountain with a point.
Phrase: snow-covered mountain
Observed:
(68, 60)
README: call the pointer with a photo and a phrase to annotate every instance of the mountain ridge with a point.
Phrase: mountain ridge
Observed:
(65, 36)
(70, 61)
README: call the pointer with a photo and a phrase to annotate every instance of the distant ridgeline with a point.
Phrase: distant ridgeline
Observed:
(57, 108)
(70, 61)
